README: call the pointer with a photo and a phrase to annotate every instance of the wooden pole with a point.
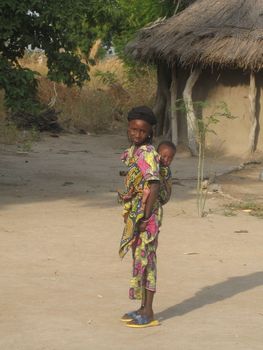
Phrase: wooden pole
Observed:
(191, 118)
(162, 95)
(174, 126)
(252, 99)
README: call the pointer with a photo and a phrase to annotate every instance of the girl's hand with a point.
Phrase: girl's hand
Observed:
(125, 217)
(142, 226)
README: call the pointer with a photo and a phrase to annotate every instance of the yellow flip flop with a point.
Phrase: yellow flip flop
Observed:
(142, 322)
(129, 316)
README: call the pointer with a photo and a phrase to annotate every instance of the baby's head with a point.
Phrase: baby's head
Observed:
(166, 150)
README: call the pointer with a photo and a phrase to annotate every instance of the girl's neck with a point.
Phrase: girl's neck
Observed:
(146, 143)
(136, 147)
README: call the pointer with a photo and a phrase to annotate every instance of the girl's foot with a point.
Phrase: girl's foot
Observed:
(142, 321)
(129, 316)
(148, 314)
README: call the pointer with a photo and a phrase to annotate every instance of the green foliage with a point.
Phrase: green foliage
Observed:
(64, 29)
(20, 87)
(136, 14)
(203, 126)
(100, 54)
(67, 69)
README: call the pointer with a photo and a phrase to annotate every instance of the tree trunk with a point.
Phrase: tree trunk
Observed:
(162, 95)
(191, 118)
(174, 126)
(253, 118)
(167, 119)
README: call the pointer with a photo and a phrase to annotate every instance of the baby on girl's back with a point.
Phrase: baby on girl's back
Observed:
(166, 151)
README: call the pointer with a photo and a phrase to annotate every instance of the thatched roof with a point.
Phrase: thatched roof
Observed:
(209, 32)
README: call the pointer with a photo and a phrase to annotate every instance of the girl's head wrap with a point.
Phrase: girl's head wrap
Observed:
(142, 113)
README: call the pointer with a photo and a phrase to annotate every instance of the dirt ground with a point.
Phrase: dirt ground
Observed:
(63, 286)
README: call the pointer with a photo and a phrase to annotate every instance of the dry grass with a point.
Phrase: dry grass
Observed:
(35, 61)
(254, 209)
(101, 105)
(11, 135)
(80, 109)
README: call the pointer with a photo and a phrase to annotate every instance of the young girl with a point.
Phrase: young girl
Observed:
(141, 214)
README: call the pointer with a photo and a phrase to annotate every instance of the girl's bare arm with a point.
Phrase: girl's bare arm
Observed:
(154, 191)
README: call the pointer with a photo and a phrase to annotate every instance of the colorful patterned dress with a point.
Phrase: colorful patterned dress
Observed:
(143, 167)
(165, 184)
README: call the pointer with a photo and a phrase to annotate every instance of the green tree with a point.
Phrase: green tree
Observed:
(64, 29)
(136, 14)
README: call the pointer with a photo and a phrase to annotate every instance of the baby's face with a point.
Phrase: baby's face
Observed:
(166, 155)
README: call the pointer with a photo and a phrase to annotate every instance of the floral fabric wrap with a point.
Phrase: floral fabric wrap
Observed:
(165, 184)
(143, 167)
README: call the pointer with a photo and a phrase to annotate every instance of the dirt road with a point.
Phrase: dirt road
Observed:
(63, 286)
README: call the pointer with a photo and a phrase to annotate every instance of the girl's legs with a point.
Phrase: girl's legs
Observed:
(146, 308)
(143, 299)
(144, 275)
(136, 279)
(150, 279)
(148, 304)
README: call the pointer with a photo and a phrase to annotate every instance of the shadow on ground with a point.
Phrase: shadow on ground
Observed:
(213, 294)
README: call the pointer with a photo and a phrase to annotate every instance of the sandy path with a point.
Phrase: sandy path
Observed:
(63, 285)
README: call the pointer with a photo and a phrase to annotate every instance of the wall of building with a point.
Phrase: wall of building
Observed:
(232, 88)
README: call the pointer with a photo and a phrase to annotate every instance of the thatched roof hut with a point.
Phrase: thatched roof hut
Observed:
(211, 35)
(209, 32)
